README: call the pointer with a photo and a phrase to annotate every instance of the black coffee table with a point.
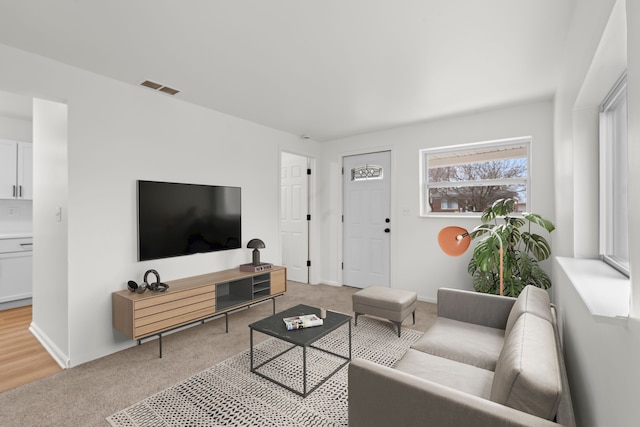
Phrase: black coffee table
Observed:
(305, 338)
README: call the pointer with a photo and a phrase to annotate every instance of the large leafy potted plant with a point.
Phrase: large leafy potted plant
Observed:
(523, 250)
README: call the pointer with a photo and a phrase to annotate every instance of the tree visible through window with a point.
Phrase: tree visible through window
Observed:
(470, 177)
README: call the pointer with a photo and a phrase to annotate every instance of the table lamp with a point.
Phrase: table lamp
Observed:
(256, 244)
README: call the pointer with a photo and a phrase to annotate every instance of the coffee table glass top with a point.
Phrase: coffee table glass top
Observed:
(274, 325)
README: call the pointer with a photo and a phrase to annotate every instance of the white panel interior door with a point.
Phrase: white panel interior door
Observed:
(294, 227)
(366, 228)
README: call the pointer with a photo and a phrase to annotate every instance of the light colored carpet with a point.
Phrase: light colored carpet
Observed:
(228, 394)
(87, 394)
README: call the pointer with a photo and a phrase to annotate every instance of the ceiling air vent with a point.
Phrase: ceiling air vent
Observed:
(169, 90)
(150, 84)
(159, 87)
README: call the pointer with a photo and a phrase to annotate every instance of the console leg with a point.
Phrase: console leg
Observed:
(160, 344)
(226, 321)
(274, 305)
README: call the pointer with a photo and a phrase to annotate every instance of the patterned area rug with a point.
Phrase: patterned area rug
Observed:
(228, 394)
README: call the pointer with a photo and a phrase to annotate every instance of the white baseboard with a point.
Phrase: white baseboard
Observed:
(26, 295)
(425, 299)
(15, 303)
(330, 282)
(57, 355)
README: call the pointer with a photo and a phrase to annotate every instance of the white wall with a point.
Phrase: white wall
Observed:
(15, 129)
(119, 133)
(50, 322)
(601, 353)
(16, 223)
(417, 263)
(633, 135)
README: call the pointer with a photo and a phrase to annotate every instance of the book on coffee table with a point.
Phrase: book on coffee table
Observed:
(303, 321)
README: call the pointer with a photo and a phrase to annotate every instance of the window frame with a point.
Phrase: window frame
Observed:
(424, 167)
(611, 175)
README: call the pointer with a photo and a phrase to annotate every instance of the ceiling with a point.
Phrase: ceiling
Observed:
(325, 68)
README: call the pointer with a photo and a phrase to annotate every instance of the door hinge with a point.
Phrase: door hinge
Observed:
(309, 171)
(343, 170)
(342, 266)
(308, 263)
(308, 217)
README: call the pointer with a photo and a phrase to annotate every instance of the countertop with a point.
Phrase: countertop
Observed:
(16, 235)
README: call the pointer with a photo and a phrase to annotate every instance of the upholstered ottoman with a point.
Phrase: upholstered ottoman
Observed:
(388, 303)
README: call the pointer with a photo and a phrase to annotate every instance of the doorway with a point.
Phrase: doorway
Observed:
(366, 222)
(294, 215)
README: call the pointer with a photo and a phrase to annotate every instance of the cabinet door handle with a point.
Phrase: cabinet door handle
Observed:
(14, 191)
(20, 187)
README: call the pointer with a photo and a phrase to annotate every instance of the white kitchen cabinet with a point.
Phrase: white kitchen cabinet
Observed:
(16, 259)
(8, 169)
(16, 170)
(25, 170)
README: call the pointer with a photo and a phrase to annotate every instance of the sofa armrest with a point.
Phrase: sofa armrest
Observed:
(565, 413)
(474, 307)
(382, 396)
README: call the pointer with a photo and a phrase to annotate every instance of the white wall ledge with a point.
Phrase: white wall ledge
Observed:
(605, 291)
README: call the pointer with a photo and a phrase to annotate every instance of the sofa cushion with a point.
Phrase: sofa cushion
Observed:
(468, 343)
(447, 372)
(531, 300)
(527, 375)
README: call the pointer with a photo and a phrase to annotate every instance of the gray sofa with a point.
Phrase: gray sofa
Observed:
(486, 361)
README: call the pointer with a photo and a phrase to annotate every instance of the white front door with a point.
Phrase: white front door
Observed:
(366, 228)
(294, 226)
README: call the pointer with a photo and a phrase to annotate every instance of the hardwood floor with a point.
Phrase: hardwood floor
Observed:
(22, 358)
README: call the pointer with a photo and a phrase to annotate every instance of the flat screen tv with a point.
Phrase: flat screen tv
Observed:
(182, 219)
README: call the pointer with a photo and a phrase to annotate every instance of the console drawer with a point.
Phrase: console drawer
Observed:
(192, 299)
(141, 315)
(163, 323)
(172, 296)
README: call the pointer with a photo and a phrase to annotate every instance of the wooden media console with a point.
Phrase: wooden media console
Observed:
(194, 299)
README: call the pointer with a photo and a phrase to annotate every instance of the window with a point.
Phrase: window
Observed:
(468, 178)
(614, 243)
(366, 173)
(446, 204)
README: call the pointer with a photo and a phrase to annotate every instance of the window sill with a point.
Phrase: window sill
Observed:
(604, 290)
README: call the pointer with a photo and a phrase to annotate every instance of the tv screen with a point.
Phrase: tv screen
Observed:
(182, 219)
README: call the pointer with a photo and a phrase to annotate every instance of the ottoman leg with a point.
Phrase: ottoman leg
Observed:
(399, 325)
(414, 317)
(356, 319)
